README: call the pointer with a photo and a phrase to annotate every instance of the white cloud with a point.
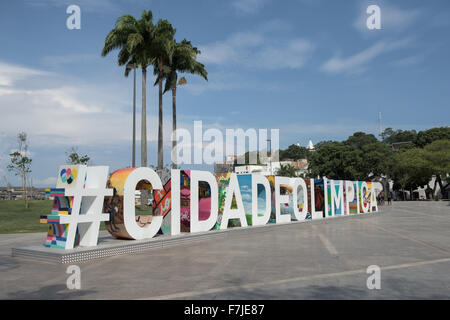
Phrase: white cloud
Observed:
(73, 113)
(393, 19)
(59, 111)
(253, 49)
(10, 74)
(246, 197)
(409, 61)
(358, 62)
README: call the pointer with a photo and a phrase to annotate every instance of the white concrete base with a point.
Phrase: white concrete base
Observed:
(109, 246)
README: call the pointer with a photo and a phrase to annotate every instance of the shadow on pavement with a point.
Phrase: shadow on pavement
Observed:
(50, 292)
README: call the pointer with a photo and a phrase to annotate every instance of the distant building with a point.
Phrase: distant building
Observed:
(223, 167)
(301, 167)
(16, 193)
(269, 168)
(310, 146)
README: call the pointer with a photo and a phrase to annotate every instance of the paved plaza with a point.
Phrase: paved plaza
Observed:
(326, 259)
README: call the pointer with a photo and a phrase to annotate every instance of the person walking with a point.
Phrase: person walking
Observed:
(389, 198)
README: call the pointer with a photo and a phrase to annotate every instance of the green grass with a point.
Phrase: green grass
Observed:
(14, 218)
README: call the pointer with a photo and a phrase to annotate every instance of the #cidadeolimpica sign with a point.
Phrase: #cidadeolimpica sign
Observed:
(189, 201)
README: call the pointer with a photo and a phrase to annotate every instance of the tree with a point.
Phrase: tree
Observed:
(294, 152)
(162, 50)
(390, 136)
(437, 157)
(377, 160)
(134, 38)
(360, 157)
(21, 163)
(73, 157)
(411, 170)
(184, 60)
(136, 41)
(335, 160)
(428, 136)
(388, 132)
(359, 139)
(286, 171)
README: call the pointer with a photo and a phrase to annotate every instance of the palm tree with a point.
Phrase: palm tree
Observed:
(286, 171)
(129, 67)
(134, 39)
(184, 60)
(162, 49)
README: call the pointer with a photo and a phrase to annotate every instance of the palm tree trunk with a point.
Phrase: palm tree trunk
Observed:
(144, 120)
(144, 135)
(174, 127)
(133, 160)
(160, 123)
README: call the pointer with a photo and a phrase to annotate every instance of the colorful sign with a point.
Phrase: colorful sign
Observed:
(190, 201)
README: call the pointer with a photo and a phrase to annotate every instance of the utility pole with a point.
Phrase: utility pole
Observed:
(270, 158)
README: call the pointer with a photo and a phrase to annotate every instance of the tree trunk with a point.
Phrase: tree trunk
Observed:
(160, 123)
(31, 189)
(144, 135)
(174, 127)
(386, 188)
(133, 160)
(434, 188)
(25, 188)
(439, 180)
(144, 120)
(432, 191)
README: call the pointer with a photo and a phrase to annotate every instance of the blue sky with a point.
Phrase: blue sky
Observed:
(310, 68)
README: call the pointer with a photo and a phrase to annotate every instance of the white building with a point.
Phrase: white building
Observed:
(271, 168)
(310, 146)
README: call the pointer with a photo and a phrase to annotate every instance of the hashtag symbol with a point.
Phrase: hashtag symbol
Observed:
(88, 195)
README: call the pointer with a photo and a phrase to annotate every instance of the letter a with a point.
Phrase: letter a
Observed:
(73, 281)
(73, 21)
(374, 20)
(374, 281)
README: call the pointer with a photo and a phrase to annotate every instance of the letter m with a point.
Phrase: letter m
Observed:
(240, 136)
